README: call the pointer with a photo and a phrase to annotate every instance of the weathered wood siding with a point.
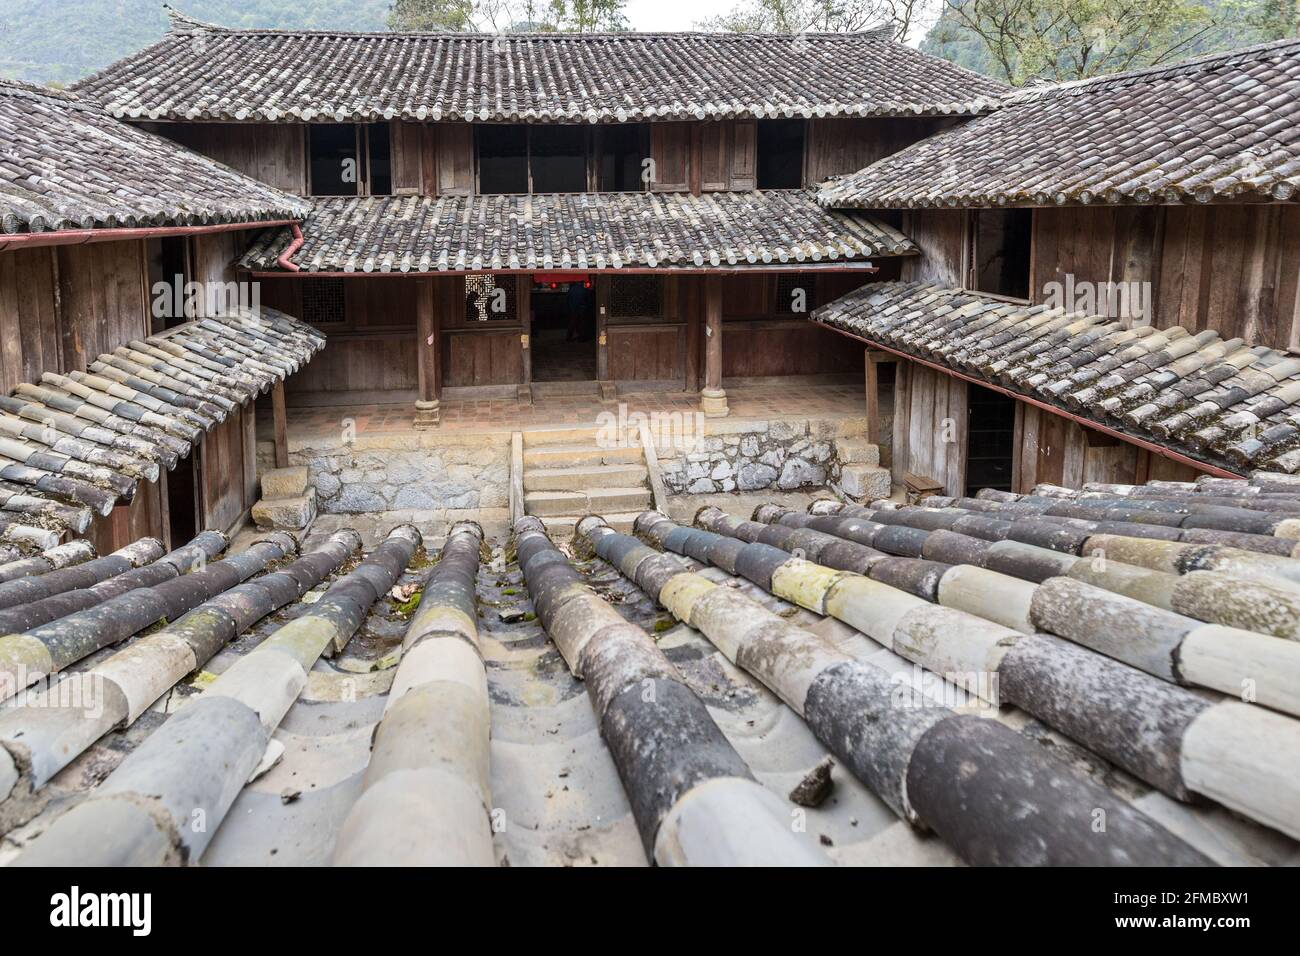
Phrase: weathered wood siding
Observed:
(838, 146)
(929, 437)
(275, 153)
(30, 341)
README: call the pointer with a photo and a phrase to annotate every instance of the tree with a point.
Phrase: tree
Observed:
(507, 16)
(1023, 40)
(823, 16)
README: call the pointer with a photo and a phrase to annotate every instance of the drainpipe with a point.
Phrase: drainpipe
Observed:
(285, 259)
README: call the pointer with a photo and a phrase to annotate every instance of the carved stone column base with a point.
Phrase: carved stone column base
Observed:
(427, 415)
(608, 391)
(713, 403)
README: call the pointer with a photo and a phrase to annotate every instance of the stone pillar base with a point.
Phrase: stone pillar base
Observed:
(713, 403)
(608, 391)
(427, 414)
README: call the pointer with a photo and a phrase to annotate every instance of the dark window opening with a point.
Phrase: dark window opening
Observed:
(168, 271)
(379, 153)
(182, 500)
(780, 153)
(636, 297)
(990, 439)
(558, 156)
(487, 300)
(796, 294)
(503, 159)
(335, 170)
(1000, 259)
(322, 301)
(623, 150)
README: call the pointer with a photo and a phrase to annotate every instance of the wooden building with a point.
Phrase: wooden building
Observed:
(1162, 202)
(95, 218)
(631, 211)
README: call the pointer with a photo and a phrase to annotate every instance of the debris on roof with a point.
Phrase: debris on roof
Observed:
(1217, 401)
(203, 72)
(69, 166)
(1219, 128)
(576, 231)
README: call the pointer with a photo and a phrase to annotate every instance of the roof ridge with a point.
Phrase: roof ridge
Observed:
(32, 89)
(1209, 61)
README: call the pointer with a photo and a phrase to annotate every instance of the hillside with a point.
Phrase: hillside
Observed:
(43, 41)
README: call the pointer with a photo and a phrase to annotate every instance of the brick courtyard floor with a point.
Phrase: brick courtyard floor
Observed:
(758, 402)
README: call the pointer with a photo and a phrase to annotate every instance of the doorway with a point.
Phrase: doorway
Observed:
(990, 439)
(563, 338)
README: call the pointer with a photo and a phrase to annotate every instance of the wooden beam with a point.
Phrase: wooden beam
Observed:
(524, 309)
(427, 342)
(713, 400)
(280, 425)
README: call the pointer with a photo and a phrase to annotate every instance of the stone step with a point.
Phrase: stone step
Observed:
(585, 478)
(578, 455)
(558, 436)
(544, 389)
(595, 501)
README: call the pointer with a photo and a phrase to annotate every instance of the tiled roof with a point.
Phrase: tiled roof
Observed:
(1221, 127)
(679, 696)
(1217, 401)
(576, 231)
(74, 445)
(204, 72)
(66, 165)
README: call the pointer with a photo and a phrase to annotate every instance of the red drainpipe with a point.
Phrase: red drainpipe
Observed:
(284, 259)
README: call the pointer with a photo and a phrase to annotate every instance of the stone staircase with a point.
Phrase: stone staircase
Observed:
(568, 475)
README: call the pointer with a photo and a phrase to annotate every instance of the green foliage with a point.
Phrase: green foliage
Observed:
(43, 41)
(1022, 40)
(493, 16)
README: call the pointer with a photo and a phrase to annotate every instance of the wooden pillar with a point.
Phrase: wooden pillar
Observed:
(524, 308)
(280, 422)
(427, 414)
(713, 400)
(602, 338)
(693, 305)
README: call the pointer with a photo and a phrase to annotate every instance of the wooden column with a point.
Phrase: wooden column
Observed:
(693, 305)
(524, 308)
(280, 424)
(713, 400)
(427, 345)
(607, 392)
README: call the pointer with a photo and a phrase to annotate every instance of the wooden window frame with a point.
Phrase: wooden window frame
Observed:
(360, 149)
(970, 257)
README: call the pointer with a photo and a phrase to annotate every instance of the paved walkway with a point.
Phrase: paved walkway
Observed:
(505, 414)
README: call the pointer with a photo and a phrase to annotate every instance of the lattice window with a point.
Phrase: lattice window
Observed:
(322, 301)
(796, 293)
(636, 296)
(487, 299)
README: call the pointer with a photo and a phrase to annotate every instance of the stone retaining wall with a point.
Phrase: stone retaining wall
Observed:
(756, 455)
(471, 474)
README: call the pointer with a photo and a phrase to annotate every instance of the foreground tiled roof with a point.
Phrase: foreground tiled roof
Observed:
(1217, 401)
(1222, 127)
(66, 165)
(914, 685)
(576, 231)
(76, 444)
(204, 72)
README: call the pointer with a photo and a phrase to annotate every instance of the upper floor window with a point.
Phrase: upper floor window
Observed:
(541, 158)
(780, 153)
(1000, 241)
(347, 159)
